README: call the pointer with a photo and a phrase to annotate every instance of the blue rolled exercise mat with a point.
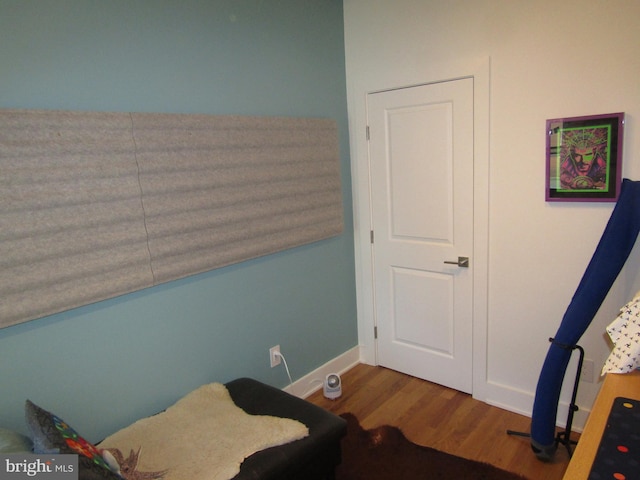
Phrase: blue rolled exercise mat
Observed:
(610, 255)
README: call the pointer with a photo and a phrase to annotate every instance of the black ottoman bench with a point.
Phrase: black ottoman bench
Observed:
(313, 457)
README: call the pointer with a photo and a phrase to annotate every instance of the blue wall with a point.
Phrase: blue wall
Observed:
(104, 365)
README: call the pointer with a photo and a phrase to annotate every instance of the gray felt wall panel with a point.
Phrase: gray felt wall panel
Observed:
(95, 205)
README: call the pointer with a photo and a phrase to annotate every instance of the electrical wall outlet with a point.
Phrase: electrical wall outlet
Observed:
(274, 360)
(587, 371)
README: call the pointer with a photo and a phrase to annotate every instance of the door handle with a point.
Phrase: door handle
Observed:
(462, 262)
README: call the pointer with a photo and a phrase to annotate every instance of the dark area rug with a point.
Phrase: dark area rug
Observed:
(385, 453)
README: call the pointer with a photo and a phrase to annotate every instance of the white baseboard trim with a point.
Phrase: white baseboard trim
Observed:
(312, 382)
(521, 402)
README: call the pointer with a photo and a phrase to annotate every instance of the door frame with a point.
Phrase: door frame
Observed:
(479, 70)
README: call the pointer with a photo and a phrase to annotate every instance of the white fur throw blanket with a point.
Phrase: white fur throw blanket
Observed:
(203, 436)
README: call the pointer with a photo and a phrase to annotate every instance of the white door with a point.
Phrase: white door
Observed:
(421, 154)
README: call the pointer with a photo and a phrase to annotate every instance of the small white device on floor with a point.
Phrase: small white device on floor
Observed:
(332, 386)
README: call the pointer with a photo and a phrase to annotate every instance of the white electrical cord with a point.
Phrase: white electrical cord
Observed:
(278, 354)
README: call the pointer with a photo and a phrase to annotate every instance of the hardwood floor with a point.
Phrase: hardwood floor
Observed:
(441, 418)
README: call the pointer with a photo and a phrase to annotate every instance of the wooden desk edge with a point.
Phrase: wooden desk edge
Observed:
(614, 385)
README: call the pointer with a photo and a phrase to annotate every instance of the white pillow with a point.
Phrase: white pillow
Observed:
(13, 442)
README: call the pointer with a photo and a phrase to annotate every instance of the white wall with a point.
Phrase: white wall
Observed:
(548, 59)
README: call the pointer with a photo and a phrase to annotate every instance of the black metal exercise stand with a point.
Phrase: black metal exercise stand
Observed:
(564, 438)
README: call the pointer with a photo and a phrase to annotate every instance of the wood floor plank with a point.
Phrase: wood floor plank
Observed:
(438, 417)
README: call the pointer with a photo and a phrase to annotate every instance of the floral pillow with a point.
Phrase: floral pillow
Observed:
(51, 434)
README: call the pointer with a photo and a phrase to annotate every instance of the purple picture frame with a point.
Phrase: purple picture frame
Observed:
(584, 158)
